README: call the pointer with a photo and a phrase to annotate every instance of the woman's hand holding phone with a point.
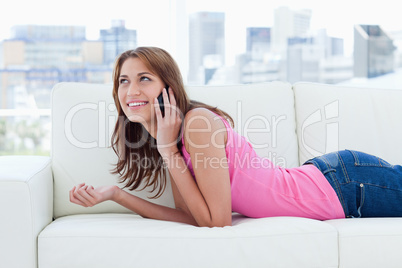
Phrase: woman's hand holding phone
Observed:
(169, 124)
(161, 103)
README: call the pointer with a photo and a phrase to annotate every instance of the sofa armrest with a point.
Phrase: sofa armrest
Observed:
(26, 207)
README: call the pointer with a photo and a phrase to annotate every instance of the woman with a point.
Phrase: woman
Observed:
(213, 170)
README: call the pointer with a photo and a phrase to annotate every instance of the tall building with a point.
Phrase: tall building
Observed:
(373, 51)
(206, 45)
(179, 35)
(116, 40)
(317, 59)
(258, 64)
(331, 46)
(336, 46)
(397, 37)
(36, 57)
(258, 42)
(48, 32)
(47, 46)
(288, 24)
(303, 60)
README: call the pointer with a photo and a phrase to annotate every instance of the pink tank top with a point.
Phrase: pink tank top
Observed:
(260, 189)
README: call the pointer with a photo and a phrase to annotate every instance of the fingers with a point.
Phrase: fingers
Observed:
(80, 196)
(172, 98)
(80, 185)
(169, 102)
(166, 102)
(157, 110)
(175, 111)
(74, 199)
(91, 192)
(85, 197)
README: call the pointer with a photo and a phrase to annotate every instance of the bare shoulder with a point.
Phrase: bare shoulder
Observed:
(202, 118)
(200, 124)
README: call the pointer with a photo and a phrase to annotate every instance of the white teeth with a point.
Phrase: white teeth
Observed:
(132, 104)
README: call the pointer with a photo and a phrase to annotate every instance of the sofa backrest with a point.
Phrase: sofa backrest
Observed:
(263, 113)
(83, 118)
(331, 118)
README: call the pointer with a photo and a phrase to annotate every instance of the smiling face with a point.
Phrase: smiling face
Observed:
(138, 87)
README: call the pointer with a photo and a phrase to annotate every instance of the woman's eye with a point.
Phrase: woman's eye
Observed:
(123, 81)
(144, 78)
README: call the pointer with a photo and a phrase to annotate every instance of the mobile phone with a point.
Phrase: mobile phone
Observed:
(160, 100)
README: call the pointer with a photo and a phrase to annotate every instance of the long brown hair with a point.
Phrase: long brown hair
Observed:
(139, 162)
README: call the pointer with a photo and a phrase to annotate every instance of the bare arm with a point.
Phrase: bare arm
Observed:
(209, 199)
(150, 210)
(88, 196)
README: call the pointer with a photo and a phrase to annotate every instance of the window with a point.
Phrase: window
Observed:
(214, 42)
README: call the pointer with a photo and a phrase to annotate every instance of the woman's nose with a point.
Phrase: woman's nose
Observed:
(133, 90)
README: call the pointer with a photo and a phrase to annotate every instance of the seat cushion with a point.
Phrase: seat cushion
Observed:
(126, 240)
(369, 242)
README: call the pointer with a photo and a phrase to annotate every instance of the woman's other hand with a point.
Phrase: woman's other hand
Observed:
(88, 196)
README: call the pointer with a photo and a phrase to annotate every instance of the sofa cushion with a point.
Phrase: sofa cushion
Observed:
(83, 119)
(263, 113)
(370, 242)
(126, 240)
(331, 118)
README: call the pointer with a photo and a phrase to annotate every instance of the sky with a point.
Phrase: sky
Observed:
(152, 21)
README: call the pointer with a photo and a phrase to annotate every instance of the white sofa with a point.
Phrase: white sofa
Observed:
(39, 227)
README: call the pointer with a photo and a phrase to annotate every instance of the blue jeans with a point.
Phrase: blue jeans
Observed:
(367, 186)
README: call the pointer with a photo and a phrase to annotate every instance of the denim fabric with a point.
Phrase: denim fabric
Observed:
(367, 186)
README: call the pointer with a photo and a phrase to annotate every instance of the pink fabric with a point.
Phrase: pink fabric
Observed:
(260, 189)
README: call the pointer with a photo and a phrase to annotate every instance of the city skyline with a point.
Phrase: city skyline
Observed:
(64, 53)
(337, 18)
